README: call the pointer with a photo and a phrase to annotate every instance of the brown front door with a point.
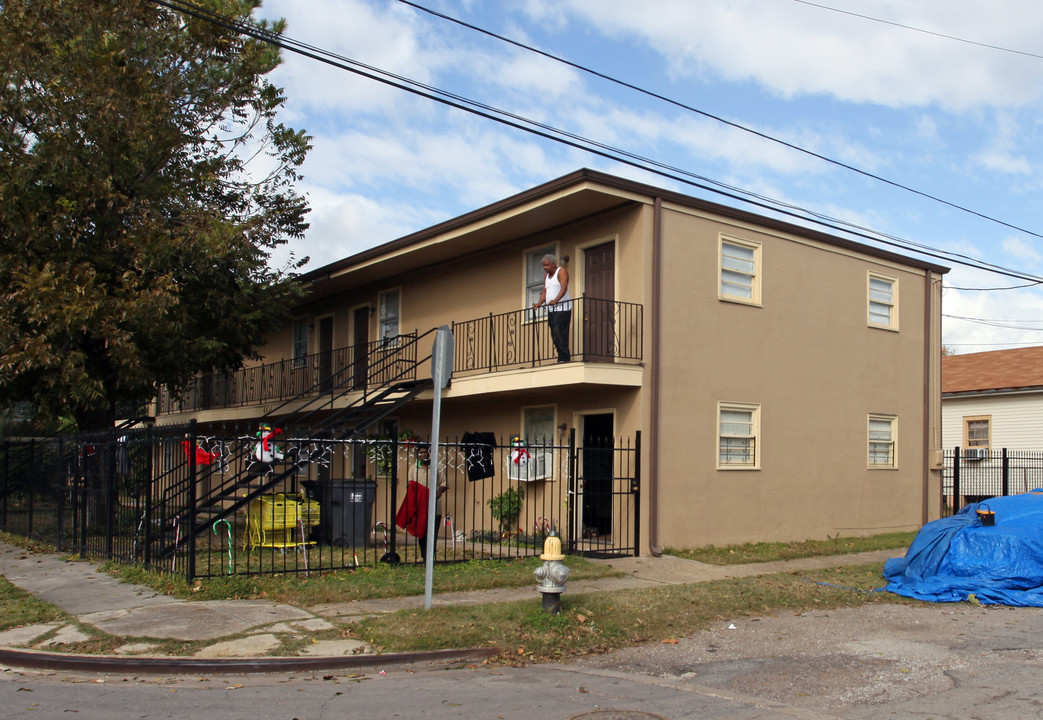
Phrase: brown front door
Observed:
(360, 349)
(598, 303)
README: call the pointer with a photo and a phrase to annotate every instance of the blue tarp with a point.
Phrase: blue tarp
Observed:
(956, 557)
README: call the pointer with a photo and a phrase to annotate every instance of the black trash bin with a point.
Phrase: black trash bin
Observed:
(344, 511)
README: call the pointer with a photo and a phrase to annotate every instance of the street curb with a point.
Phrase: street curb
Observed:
(42, 660)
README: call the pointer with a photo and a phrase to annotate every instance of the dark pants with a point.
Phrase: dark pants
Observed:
(421, 542)
(559, 321)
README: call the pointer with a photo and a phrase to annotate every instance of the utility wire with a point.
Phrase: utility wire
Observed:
(575, 141)
(990, 289)
(735, 125)
(1006, 324)
(921, 30)
(991, 344)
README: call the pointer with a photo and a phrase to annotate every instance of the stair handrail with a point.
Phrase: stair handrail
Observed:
(314, 404)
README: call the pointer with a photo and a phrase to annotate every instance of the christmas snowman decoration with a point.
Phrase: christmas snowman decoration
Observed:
(266, 450)
(519, 454)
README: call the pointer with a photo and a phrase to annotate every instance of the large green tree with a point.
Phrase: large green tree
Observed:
(144, 182)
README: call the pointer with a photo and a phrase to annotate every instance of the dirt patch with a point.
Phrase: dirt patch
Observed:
(833, 659)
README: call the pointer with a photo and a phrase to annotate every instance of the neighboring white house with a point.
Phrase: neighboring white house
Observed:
(993, 400)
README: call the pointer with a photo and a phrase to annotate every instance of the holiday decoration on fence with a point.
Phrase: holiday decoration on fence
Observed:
(266, 450)
(519, 453)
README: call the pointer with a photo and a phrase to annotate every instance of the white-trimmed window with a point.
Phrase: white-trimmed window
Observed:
(301, 326)
(883, 301)
(882, 432)
(977, 431)
(533, 459)
(388, 313)
(740, 270)
(534, 277)
(738, 430)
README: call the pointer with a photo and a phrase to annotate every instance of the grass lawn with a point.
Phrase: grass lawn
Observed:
(588, 623)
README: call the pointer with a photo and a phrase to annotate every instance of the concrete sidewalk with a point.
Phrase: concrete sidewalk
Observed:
(258, 629)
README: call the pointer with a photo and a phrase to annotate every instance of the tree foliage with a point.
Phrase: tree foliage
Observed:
(144, 181)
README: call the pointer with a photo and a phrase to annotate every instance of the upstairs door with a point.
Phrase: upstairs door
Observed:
(599, 293)
(360, 348)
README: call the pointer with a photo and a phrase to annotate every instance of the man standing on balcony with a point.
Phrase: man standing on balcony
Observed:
(556, 297)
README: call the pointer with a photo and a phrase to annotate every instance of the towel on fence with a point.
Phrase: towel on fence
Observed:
(412, 515)
(478, 451)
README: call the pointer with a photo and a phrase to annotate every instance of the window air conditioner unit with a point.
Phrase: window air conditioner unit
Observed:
(975, 454)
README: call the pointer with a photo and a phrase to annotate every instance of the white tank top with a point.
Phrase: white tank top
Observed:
(553, 287)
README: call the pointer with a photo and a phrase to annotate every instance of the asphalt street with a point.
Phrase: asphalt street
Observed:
(910, 660)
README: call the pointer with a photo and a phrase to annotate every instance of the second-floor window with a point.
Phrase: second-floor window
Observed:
(389, 316)
(300, 342)
(883, 301)
(740, 271)
(534, 276)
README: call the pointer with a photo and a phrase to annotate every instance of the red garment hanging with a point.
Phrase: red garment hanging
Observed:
(412, 515)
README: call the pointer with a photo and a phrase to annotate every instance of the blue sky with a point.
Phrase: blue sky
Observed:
(946, 116)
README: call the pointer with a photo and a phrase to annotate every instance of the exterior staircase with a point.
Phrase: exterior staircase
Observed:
(185, 510)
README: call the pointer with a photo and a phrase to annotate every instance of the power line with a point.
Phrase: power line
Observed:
(1004, 324)
(921, 30)
(991, 344)
(991, 289)
(735, 125)
(577, 141)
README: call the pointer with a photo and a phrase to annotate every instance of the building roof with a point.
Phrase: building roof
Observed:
(996, 371)
(579, 194)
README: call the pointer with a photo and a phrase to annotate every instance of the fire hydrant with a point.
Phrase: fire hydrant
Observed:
(551, 576)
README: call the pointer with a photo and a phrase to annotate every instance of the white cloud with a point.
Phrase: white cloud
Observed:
(346, 224)
(1021, 249)
(985, 320)
(794, 49)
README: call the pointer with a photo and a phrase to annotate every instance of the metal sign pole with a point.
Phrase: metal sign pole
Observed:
(441, 372)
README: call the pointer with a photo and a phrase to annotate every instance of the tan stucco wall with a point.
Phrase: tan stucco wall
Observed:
(809, 360)
(806, 356)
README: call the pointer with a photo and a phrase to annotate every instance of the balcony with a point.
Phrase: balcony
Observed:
(602, 331)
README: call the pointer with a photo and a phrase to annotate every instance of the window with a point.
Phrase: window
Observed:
(977, 432)
(740, 271)
(389, 316)
(882, 441)
(738, 426)
(534, 277)
(883, 301)
(534, 458)
(300, 342)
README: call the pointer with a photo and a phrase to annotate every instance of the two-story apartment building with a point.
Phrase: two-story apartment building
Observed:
(785, 383)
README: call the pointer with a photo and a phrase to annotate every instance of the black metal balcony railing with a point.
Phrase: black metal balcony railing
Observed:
(600, 331)
(359, 366)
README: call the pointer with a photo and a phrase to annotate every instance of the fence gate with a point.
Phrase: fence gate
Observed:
(604, 499)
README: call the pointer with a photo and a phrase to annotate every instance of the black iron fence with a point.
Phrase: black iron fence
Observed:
(976, 474)
(135, 498)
